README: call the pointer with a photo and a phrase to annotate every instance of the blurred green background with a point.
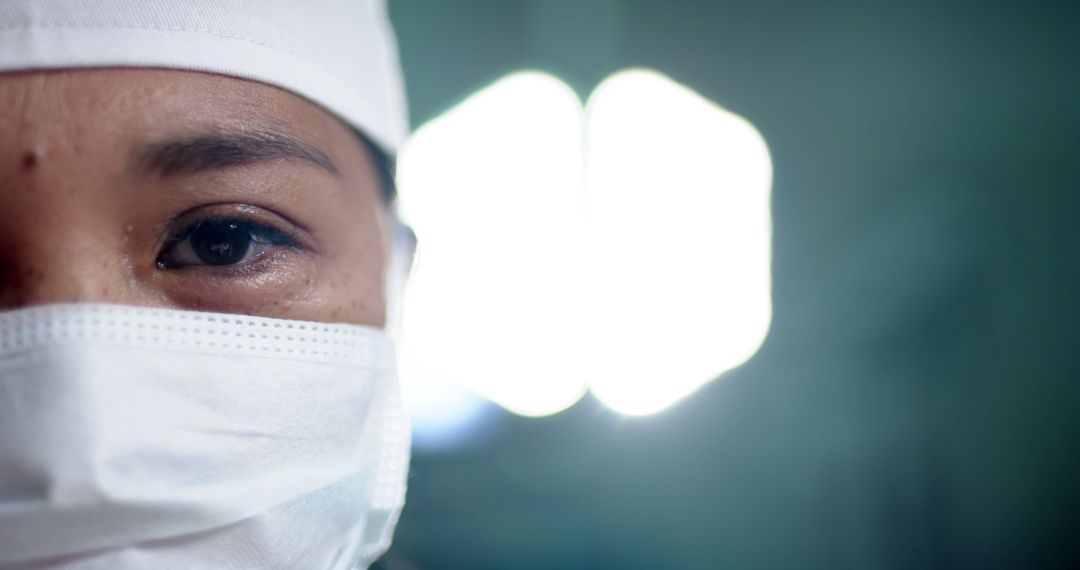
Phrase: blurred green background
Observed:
(917, 402)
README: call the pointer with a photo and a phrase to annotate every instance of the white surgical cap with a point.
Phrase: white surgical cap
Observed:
(341, 54)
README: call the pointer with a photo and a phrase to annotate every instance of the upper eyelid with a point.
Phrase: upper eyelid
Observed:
(294, 231)
(250, 224)
(245, 206)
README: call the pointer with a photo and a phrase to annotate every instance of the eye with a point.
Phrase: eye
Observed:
(221, 241)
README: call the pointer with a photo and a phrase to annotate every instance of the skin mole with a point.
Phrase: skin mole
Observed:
(32, 158)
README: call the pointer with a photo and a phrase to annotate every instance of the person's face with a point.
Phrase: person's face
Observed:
(185, 190)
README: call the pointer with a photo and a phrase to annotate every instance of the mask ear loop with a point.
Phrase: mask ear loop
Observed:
(402, 255)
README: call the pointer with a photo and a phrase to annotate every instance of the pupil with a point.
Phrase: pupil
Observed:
(220, 242)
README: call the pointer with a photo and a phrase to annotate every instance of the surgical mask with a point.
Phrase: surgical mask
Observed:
(146, 438)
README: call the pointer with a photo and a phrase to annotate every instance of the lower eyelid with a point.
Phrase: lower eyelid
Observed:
(260, 266)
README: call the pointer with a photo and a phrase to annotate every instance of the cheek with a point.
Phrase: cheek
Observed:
(351, 284)
(351, 294)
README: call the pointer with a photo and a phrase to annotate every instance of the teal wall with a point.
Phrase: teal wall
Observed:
(917, 404)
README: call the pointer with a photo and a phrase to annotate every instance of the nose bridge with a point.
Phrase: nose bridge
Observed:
(63, 262)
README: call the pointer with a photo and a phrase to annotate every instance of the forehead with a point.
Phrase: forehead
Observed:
(135, 105)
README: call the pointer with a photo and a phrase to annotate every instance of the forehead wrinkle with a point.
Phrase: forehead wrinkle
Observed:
(213, 151)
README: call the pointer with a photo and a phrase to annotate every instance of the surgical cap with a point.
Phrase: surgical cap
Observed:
(341, 54)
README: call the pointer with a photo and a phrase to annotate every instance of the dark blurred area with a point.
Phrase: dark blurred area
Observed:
(916, 402)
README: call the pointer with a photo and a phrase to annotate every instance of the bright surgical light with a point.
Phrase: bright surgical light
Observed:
(493, 190)
(678, 237)
(627, 249)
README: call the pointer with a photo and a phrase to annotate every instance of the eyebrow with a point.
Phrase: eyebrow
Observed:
(221, 150)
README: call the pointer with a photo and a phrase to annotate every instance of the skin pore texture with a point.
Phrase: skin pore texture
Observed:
(186, 190)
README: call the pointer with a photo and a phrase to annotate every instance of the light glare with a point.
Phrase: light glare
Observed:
(680, 237)
(642, 271)
(493, 189)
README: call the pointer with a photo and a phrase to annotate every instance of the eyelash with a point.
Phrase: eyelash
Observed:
(259, 233)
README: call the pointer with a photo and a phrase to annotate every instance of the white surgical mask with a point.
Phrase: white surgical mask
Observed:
(147, 438)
